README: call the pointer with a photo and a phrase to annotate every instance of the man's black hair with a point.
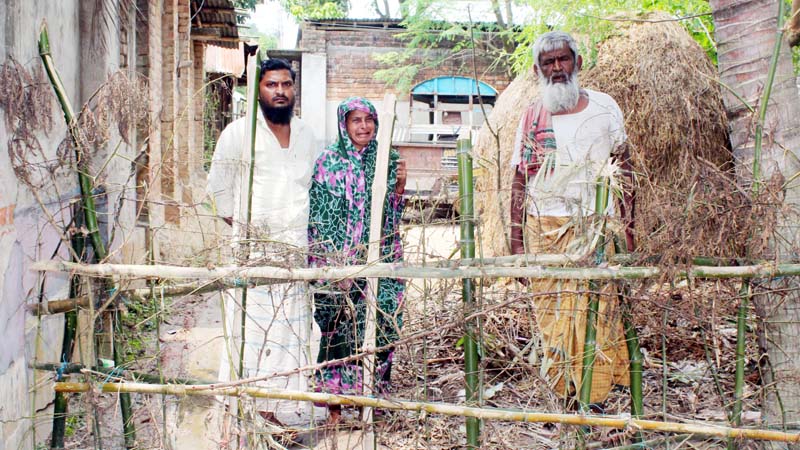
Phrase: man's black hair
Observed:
(276, 64)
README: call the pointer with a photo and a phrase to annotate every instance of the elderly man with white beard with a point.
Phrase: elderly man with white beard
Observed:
(566, 140)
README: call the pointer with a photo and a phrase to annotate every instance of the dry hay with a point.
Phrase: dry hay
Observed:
(700, 357)
(687, 198)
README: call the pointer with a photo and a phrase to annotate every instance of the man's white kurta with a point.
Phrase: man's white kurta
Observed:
(278, 334)
(585, 142)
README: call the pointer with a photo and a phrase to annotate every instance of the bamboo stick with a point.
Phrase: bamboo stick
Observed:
(141, 295)
(442, 408)
(87, 201)
(378, 198)
(61, 402)
(254, 75)
(387, 270)
(590, 331)
(741, 325)
(467, 225)
(72, 368)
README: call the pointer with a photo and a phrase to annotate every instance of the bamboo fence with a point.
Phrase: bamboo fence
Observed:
(440, 408)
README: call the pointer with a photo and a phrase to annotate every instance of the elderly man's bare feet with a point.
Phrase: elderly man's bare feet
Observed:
(334, 416)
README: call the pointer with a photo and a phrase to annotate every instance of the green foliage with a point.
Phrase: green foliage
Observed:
(267, 41)
(317, 9)
(426, 31)
(594, 20)
(597, 20)
(73, 424)
(401, 73)
(246, 4)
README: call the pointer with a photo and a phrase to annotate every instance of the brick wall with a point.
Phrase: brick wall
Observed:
(198, 91)
(351, 63)
(169, 139)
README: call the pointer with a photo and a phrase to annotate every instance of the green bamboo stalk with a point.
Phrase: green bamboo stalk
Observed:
(590, 334)
(741, 328)
(467, 222)
(61, 403)
(89, 211)
(762, 109)
(87, 201)
(636, 366)
(741, 315)
(253, 105)
(508, 415)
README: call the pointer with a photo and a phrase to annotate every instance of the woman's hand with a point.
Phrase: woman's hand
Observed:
(402, 175)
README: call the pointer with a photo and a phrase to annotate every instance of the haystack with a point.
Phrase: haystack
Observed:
(674, 118)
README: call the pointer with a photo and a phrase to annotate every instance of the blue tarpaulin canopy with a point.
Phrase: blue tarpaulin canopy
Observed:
(453, 86)
(453, 90)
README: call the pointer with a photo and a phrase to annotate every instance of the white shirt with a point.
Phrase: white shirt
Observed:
(585, 142)
(282, 177)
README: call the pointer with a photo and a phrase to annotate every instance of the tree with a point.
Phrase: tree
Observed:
(747, 32)
(245, 4)
(317, 9)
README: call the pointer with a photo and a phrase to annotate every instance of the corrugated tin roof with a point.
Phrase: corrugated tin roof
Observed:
(215, 21)
(380, 23)
(225, 60)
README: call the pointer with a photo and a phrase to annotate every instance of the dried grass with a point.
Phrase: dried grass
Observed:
(688, 199)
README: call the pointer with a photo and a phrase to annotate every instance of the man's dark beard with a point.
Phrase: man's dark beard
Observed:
(280, 115)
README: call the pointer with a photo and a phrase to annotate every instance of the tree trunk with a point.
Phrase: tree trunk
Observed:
(746, 33)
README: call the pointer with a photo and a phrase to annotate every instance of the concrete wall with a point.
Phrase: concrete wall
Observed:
(25, 235)
(33, 216)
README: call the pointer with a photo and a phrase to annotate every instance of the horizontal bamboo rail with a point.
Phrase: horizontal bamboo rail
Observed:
(441, 408)
(140, 294)
(764, 270)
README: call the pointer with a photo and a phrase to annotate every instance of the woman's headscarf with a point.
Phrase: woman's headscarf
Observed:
(344, 144)
(341, 191)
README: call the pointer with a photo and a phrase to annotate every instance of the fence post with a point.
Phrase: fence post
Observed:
(467, 221)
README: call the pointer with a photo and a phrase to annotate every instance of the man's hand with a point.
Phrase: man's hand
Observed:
(518, 186)
(402, 175)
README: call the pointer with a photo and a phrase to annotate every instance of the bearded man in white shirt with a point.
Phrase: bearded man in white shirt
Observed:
(278, 333)
(565, 141)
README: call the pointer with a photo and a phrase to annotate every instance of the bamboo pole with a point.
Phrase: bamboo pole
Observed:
(378, 199)
(467, 225)
(508, 415)
(590, 331)
(141, 295)
(741, 319)
(635, 369)
(61, 402)
(87, 202)
(387, 270)
(73, 368)
(741, 328)
(254, 74)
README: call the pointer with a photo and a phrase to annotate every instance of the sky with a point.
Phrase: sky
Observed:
(270, 17)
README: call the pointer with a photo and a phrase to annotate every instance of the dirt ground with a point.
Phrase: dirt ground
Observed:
(693, 386)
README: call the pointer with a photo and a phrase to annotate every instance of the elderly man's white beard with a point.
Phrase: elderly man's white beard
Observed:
(560, 97)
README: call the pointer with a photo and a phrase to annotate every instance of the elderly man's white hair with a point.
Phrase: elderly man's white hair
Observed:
(551, 41)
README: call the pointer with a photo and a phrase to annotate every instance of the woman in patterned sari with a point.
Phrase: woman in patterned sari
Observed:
(339, 218)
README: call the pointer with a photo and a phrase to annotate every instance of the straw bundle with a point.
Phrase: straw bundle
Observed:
(674, 118)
